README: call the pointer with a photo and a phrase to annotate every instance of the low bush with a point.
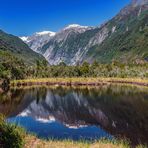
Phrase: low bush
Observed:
(10, 135)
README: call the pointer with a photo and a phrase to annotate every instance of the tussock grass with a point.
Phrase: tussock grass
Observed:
(79, 81)
(40, 143)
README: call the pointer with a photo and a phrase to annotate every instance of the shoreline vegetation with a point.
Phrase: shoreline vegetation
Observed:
(15, 70)
(79, 81)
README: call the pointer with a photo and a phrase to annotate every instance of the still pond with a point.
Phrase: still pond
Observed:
(80, 113)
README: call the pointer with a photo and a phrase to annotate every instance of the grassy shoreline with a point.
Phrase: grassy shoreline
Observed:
(15, 136)
(79, 81)
(33, 141)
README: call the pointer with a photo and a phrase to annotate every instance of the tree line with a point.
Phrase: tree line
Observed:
(17, 69)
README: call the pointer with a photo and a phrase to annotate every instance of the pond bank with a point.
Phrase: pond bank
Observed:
(15, 136)
(79, 81)
(32, 141)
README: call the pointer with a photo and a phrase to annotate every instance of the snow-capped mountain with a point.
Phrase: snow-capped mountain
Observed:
(40, 40)
(75, 43)
(77, 27)
(71, 44)
(37, 40)
(60, 47)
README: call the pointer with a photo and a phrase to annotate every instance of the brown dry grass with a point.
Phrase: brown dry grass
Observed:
(33, 142)
(81, 81)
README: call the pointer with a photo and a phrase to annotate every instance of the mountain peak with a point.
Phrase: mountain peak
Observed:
(45, 33)
(75, 26)
(139, 2)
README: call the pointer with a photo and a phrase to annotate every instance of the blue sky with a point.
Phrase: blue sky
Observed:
(24, 17)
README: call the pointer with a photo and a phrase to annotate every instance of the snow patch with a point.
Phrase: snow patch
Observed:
(24, 38)
(113, 29)
(75, 26)
(46, 33)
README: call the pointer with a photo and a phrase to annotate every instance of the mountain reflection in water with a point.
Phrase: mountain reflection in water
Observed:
(87, 113)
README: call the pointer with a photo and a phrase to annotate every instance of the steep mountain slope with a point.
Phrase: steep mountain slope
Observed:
(62, 46)
(128, 36)
(12, 45)
(123, 38)
(49, 45)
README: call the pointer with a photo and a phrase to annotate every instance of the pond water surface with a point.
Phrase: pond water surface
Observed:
(76, 113)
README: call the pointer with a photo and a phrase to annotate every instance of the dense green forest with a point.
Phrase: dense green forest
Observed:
(14, 68)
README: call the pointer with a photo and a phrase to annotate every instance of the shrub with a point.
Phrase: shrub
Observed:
(10, 135)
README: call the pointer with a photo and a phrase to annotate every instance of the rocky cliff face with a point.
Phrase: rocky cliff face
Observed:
(67, 45)
(122, 38)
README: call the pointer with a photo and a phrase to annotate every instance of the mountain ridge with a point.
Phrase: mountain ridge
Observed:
(15, 46)
(38, 39)
(75, 44)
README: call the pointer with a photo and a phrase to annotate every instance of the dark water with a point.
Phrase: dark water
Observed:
(80, 113)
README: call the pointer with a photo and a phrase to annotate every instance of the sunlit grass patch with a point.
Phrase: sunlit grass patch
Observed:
(79, 81)
(74, 144)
